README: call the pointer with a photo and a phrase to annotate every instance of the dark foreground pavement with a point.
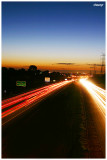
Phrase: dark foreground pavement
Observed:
(62, 126)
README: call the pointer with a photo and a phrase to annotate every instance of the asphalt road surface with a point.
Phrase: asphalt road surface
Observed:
(66, 124)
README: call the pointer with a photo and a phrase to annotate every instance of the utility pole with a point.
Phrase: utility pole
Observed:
(91, 71)
(94, 68)
(102, 63)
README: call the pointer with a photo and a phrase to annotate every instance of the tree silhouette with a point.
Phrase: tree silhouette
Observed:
(32, 68)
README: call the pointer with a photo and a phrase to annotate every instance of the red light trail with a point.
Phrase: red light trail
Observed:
(22, 101)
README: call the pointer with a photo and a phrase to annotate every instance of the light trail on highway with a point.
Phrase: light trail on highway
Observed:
(97, 93)
(22, 101)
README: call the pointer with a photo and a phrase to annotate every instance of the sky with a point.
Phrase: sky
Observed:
(53, 35)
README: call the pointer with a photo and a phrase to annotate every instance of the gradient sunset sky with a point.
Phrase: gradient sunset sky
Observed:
(52, 35)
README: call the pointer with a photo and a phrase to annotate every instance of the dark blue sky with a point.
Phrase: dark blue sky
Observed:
(53, 31)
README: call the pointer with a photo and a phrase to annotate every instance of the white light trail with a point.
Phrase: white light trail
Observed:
(98, 94)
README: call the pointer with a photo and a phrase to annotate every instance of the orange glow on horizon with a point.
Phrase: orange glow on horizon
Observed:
(46, 65)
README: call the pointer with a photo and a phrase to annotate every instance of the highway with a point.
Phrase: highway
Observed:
(61, 120)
